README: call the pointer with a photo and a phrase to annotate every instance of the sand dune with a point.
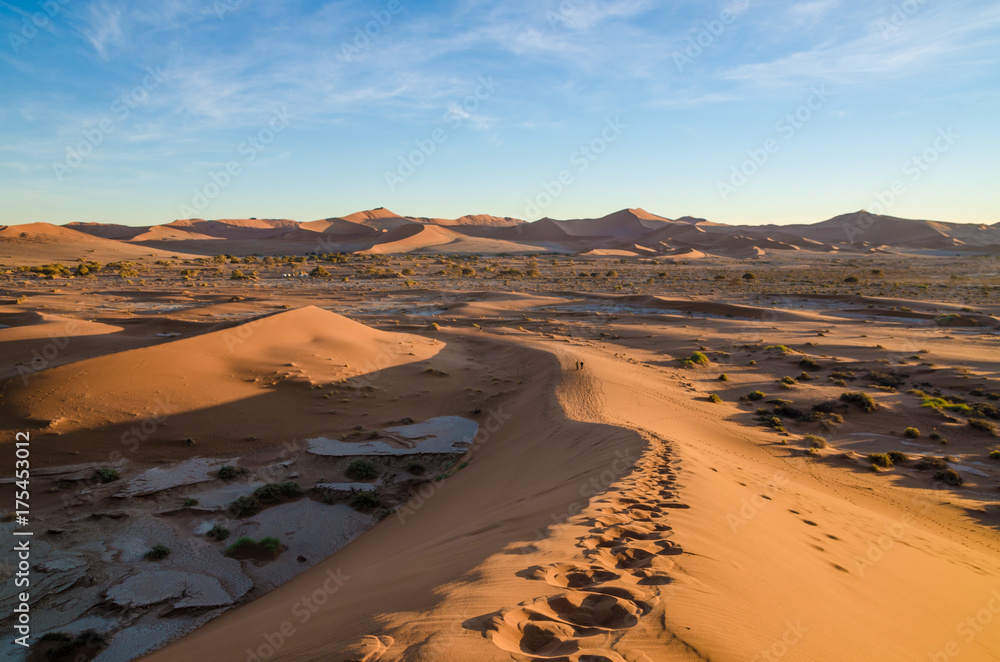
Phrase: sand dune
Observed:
(233, 366)
(636, 231)
(637, 531)
(37, 243)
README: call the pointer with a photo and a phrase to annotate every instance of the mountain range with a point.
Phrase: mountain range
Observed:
(629, 232)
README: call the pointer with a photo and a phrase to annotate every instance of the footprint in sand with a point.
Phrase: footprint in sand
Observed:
(568, 575)
(626, 543)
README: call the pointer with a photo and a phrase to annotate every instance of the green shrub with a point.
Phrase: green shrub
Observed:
(897, 457)
(229, 472)
(244, 506)
(995, 455)
(290, 489)
(158, 552)
(712, 397)
(787, 380)
(862, 400)
(805, 377)
(190, 502)
(911, 433)
(271, 546)
(807, 363)
(698, 358)
(243, 544)
(890, 379)
(365, 501)
(268, 494)
(723, 377)
(881, 460)
(949, 477)
(218, 532)
(362, 470)
(815, 441)
(756, 395)
(929, 463)
(416, 468)
(106, 475)
(984, 425)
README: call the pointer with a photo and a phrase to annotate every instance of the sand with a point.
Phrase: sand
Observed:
(604, 512)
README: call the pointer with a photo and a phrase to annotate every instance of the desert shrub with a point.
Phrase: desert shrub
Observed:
(290, 489)
(244, 506)
(827, 407)
(218, 532)
(805, 377)
(714, 398)
(851, 280)
(271, 546)
(779, 348)
(843, 375)
(365, 501)
(986, 409)
(929, 463)
(362, 470)
(815, 441)
(106, 474)
(984, 425)
(880, 460)
(267, 546)
(416, 468)
(949, 477)
(319, 272)
(228, 472)
(911, 433)
(897, 457)
(995, 455)
(696, 358)
(787, 410)
(889, 379)
(158, 552)
(190, 502)
(787, 380)
(723, 377)
(756, 395)
(807, 363)
(268, 494)
(241, 544)
(863, 401)
(773, 422)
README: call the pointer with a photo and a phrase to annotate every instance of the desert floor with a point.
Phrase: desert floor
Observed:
(604, 512)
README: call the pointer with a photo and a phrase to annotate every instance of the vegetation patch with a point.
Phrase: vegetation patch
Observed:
(218, 532)
(245, 506)
(881, 460)
(949, 477)
(158, 552)
(106, 475)
(268, 548)
(365, 502)
(863, 401)
(362, 470)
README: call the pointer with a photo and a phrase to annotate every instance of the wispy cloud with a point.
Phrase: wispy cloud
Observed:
(101, 27)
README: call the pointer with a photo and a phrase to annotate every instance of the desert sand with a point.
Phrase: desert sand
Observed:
(596, 453)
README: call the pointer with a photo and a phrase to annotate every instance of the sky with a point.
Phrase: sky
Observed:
(739, 111)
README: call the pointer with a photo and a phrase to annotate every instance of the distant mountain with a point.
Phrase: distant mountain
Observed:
(629, 232)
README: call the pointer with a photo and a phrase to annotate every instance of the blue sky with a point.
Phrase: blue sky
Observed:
(738, 111)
